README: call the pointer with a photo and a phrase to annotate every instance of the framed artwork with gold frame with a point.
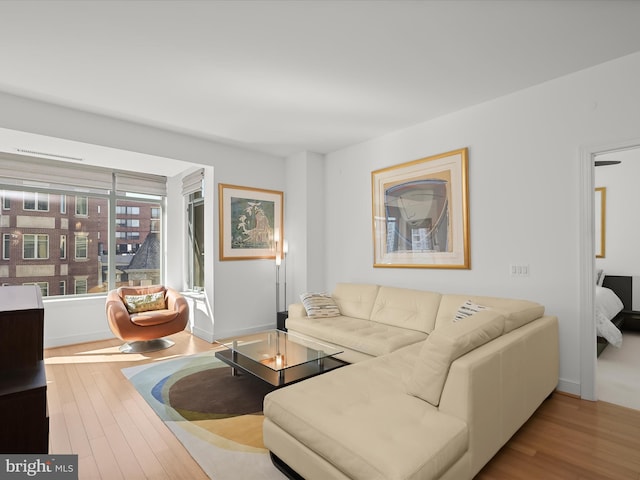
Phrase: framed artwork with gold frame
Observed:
(250, 222)
(600, 220)
(421, 213)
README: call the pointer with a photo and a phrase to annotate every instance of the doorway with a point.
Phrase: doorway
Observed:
(588, 378)
(617, 257)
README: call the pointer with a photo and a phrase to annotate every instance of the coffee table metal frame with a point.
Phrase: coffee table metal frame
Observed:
(278, 358)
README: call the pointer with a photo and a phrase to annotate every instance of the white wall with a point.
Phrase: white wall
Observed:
(524, 164)
(244, 296)
(304, 224)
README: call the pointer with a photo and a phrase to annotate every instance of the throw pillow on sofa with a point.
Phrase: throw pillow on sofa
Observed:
(444, 345)
(467, 309)
(319, 305)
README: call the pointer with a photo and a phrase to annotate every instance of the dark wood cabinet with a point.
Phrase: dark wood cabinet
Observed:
(23, 383)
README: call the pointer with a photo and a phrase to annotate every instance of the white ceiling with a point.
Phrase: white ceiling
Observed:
(286, 76)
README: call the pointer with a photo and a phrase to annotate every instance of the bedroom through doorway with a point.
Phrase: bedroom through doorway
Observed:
(617, 264)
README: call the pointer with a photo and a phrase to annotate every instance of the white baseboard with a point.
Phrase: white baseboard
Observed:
(50, 342)
(568, 386)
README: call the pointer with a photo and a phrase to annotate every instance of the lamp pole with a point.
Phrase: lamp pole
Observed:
(278, 261)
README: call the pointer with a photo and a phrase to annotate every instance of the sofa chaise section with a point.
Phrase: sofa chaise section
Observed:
(379, 419)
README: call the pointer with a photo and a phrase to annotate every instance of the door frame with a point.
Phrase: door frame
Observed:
(588, 357)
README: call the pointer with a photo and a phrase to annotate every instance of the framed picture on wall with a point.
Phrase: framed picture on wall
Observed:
(600, 220)
(421, 213)
(250, 222)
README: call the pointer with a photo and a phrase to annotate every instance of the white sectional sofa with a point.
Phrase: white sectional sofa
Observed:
(426, 397)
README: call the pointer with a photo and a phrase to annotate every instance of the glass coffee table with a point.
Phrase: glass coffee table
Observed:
(277, 357)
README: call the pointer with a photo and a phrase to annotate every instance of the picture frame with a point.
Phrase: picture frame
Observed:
(420, 213)
(250, 222)
(600, 220)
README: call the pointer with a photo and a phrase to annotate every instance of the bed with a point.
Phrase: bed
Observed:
(617, 305)
(608, 323)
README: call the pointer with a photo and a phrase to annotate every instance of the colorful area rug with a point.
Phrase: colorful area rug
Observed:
(217, 417)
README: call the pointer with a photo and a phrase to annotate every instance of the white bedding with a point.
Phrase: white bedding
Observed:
(607, 306)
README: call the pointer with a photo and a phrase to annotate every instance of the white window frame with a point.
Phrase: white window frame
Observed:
(63, 247)
(6, 246)
(82, 200)
(36, 246)
(36, 202)
(81, 238)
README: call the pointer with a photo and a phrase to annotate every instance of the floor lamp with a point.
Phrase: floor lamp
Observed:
(279, 258)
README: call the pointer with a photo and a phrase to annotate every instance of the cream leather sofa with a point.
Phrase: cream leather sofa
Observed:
(435, 402)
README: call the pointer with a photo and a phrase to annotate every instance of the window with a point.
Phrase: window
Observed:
(82, 243)
(155, 213)
(80, 286)
(82, 206)
(6, 246)
(123, 210)
(36, 201)
(35, 247)
(128, 222)
(63, 246)
(87, 250)
(195, 231)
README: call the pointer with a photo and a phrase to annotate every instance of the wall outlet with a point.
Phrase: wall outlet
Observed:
(519, 270)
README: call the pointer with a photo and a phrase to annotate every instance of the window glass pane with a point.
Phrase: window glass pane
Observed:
(29, 201)
(43, 246)
(62, 242)
(81, 286)
(6, 246)
(82, 206)
(195, 229)
(138, 252)
(29, 246)
(81, 246)
(43, 201)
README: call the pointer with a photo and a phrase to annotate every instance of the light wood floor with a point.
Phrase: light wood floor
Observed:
(96, 413)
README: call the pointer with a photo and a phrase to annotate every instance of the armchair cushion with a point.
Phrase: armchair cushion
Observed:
(154, 317)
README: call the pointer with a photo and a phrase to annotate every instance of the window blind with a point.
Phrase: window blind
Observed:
(193, 182)
(23, 170)
(32, 172)
(131, 182)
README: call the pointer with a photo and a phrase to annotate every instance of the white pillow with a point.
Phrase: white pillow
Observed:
(467, 309)
(319, 305)
(443, 346)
